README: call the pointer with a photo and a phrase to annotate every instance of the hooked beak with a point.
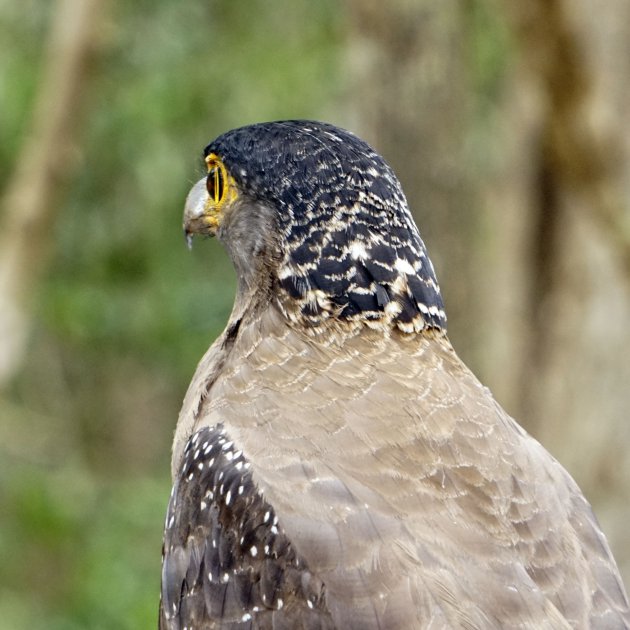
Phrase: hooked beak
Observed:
(197, 220)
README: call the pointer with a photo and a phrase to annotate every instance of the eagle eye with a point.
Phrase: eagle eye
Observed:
(216, 179)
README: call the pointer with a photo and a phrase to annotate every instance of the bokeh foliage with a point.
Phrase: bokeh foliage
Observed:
(125, 311)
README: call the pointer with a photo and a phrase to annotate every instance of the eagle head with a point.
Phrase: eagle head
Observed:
(316, 220)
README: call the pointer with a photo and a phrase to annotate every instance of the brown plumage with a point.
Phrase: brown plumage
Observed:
(335, 464)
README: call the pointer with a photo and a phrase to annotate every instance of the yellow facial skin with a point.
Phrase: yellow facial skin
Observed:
(209, 200)
(221, 190)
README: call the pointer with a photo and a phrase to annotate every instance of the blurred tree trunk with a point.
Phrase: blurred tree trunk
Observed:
(46, 162)
(562, 207)
(538, 281)
(409, 92)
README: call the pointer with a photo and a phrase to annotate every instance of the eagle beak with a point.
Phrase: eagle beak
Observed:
(197, 220)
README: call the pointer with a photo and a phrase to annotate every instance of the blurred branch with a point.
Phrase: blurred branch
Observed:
(30, 203)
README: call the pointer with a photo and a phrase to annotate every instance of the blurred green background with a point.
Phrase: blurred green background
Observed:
(125, 311)
(120, 311)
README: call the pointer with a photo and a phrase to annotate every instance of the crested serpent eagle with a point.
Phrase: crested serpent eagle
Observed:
(335, 464)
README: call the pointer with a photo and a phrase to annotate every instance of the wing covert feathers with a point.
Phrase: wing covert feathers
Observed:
(225, 556)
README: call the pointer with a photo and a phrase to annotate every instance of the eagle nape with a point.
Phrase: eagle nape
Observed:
(335, 464)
